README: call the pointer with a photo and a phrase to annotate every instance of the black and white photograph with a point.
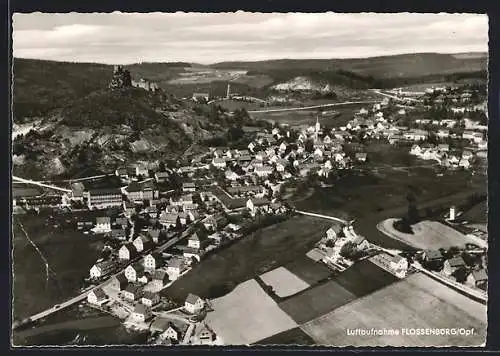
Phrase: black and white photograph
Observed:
(245, 178)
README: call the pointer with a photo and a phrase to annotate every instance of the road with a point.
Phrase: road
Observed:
(322, 216)
(312, 107)
(392, 96)
(27, 181)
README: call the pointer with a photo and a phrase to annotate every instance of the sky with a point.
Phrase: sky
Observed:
(124, 38)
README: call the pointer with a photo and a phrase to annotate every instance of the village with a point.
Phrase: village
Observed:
(212, 198)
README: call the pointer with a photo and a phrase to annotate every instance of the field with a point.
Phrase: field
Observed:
(247, 315)
(427, 235)
(477, 214)
(308, 117)
(289, 337)
(309, 271)
(316, 301)
(69, 253)
(359, 280)
(249, 257)
(283, 282)
(416, 302)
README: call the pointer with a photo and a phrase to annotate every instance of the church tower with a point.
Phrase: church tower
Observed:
(228, 92)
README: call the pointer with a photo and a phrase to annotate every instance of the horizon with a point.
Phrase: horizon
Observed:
(485, 53)
(210, 38)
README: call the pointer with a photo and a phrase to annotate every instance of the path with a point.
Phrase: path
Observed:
(312, 107)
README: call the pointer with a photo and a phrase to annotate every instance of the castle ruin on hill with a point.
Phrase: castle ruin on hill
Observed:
(121, 78)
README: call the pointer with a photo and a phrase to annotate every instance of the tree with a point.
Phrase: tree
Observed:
(460, 274)
(350, 251)
(161, 166)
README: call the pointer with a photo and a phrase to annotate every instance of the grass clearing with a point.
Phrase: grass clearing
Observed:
(247, 315)
(289, 337)
(417, 302)
(283, 282)
(309, 271)
(316, 301)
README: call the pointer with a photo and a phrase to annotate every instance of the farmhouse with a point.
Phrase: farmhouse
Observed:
(171, 332)
(205, 335)
(333, 232)
(193, 303)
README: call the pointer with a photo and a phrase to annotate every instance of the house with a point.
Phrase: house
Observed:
(150, 298)
(361, 243)
(464, 163)
(104, 198)
(256, 203)
(168, 220)
(160, 279)
(281, 165)
(196, 241)
(103, 224)
(174, 268)
(333, 232)
(142, 243)
(119, 282)
(132, 272)
(101, 269)
(200, 97)
(230, 175)
(263, 171)
(127, 252)
(118, 234)
(205, 335)
(152, 261)
(399, 265)
(416, 135)
(453, 264)
(154, 234)
(134, 192)
(432, 256)
(132, 292)
(478, 278)
(141, 313)
(443, 147)
(468, 135)
(141, 169)
(467, 155)
(161, 177)
(219, 162)
(360, 156)
(443, 133)
(171, 332)
(97, 297)
(188, 187)
(122, 173)
(193, 303)
(415, 150)
(144, 278)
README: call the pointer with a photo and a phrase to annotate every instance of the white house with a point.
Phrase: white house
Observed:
(126, 252)
(132, 272)
(230, 175)
(263, 171)
(193, 304)
(416, 150)
(152, 261)
(141, 313)
(175, 268)
(100, 269)
(97, 297)
(219, 162)
(103, 225)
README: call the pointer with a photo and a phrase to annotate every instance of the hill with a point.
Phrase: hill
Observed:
(99, 132)
(404, 65)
